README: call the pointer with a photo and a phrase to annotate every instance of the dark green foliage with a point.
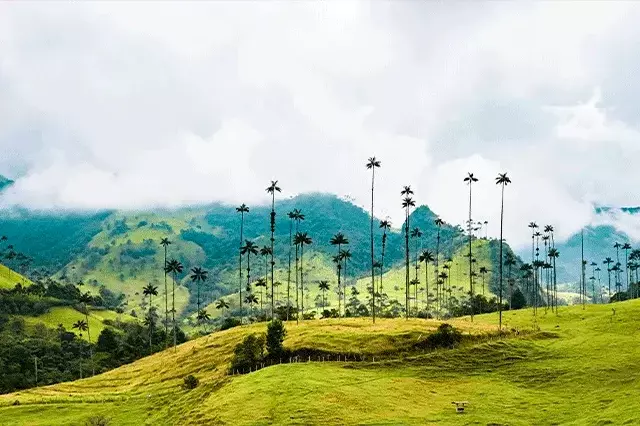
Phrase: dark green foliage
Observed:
(275, 336)
(447, 336)
(98, 420)
(518, 301)
(249, 354)
(229, 322)
(190, 382)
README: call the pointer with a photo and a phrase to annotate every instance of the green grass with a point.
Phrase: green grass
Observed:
(9, 278)
(579, 367)
(67, 316)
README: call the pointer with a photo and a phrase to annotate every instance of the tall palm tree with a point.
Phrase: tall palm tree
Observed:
(249, 248)
(150, 290)
(251, 300)
(617, 246)
(533, 227)
(222, 304)
(292, 216)
(373, 164)
(174, 268)
(407, 203)
(265, 252)
(426, 256)
(345, 255)
(324, 287)
(416, 234)
(164, 242)
(262, 282)
(438, 222)
(272, 189)
(608, 261)
(198, 276)
(626, 247)
(86, 299)
(302, 239)
(385, 225)
(338, 240)
(242, 209)
(483, 271)
(470, 179)
(81, 325)
(203, 317)
(299, 217)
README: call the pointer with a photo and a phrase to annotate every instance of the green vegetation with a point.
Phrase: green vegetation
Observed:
(535, 377)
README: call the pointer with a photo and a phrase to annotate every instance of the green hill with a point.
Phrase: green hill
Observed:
(578, 367)
(9, 278)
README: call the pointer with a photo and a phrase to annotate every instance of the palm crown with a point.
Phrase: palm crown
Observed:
(372, 162)
(273, 188)
(242, 208)
(470, 178)
(502, 179)
(249, 247)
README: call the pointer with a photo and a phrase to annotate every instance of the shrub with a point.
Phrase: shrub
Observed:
(230, 322)
(275, 336)
(447, 336)
(98, 420)
(190, 382)
(248, 354)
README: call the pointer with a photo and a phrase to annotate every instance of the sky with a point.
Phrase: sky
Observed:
(136, 105)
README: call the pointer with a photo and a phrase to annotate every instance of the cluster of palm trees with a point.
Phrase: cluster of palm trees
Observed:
(542, 269)
(630, 267)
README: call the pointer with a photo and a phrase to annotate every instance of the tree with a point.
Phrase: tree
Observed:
(272, 189)
(626, 247)
(338, 240)
(324, 287)
(438, 222)
(426, 256)
(86, 299)
(301, 240)
(81, 325)
(251, 299)
(470, 179)
(242, 209)
(198, 275)
(502, 180)
(275, 336)
(299, 217)
(416, 234)
(222, 304)
(150, 290)
(608, 261)
(262, 282)
(483, 272)
(174, 268)
(407, 203)
(265, 252)
(164, 242)
(385, 225)
(373, 164)
(345, 256)
(292, 216)
(553, 255)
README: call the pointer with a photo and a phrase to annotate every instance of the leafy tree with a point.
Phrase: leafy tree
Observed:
(275, 336)
(248, 354)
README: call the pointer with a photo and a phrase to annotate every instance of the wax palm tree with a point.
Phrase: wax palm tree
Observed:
(272, 189)
(150, 290)
(617, 268)
(385, 225)
(372, 164)
(222, 305)
(301, 239)
(262, 283)
(292, 217)
(251, 300)
(86, 300)
(407, 203)
(626, 247)
(81, 325)
(164, 242)
(249, 248)
(345, 255)
(174, 268)
(242, 209)
(617, 246)
(483, 271)
(203, 317)
(548, 229)
(265, 252)
(416, 234)
(438, 222)
(324, 287)
(533, 227)
(198, 276)
(608, 261)
(338, 240)
(299, 217)
(470, 179)
(426, 256)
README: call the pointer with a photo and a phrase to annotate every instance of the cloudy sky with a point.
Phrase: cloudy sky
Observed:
(130, 105)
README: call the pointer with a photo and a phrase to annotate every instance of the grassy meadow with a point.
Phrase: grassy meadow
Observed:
(577, 367)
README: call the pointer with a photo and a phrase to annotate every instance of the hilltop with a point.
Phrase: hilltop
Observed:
(578, 366)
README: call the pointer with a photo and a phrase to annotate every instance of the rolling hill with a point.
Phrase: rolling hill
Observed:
(577, 367)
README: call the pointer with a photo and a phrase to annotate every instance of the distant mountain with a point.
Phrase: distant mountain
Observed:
(5, 182)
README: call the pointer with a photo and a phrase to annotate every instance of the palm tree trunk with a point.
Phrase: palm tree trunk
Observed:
(406, 249)
(240, 262)
(273, 228)
(86, 315)
(339, 268)
(173, 313)
(150, 326)
(297, 288)
(470, 263)
(302, 278)
(373, 283)
(289, 271)
(166, 303)
(500, 267)
(426, 279)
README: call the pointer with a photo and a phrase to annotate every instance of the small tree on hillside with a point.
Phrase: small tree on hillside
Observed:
(275, 336)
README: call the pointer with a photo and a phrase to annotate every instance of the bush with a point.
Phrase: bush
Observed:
(229, 322)
(248, 354)
(190, 382)
(275, 336)
(98, 420)
(447, 336)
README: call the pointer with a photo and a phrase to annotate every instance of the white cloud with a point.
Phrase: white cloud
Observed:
(141, 104)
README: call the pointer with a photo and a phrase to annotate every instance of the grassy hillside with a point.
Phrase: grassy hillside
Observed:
(575, 368)
(9, 278)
